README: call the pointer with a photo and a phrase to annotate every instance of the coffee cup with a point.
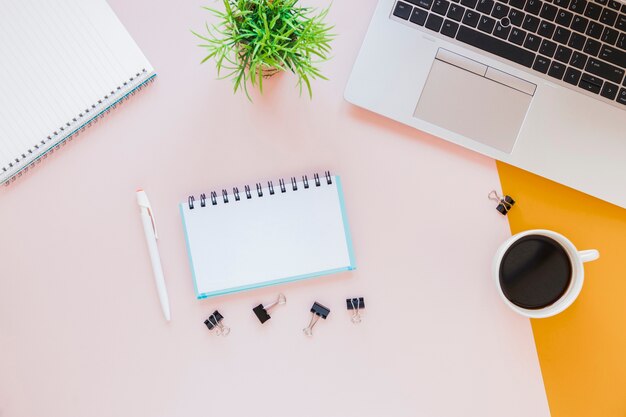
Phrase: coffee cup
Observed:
(539, 273)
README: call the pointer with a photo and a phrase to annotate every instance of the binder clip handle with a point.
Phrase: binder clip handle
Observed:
(262, 312)
(355, 304)
(317, 311)
(308, 330)
(504, 203)
(214, 323)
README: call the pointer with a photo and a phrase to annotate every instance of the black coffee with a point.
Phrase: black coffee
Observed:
(535, 272)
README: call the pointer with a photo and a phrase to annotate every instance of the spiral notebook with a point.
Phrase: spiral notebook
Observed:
(270, 233)
(63, 64)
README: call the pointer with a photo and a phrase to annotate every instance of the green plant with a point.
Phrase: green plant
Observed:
(254, 39)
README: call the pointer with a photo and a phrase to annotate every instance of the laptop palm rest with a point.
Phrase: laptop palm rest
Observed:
(474, 100)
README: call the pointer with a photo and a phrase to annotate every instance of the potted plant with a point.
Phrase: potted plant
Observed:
(257, 39)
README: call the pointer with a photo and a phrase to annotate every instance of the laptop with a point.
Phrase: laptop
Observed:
(537, 84)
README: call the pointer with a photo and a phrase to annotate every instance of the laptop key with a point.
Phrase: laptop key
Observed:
(604, 70)
(541, 64)
(609, 91)
(449, 28)
(434, 22)
(564, 18)
(500, 11)
(590, 83)
(594, 88)
(595, 29)
(517, 3)
(577, 41)
(556, 70)
(621, 42)
(548, 11)
(579, 24)
(547, 48)
(613, 55)
(621, 23)
(456, 12)
(578, 60)
(418, 16)
(424, 4)
(563, 54)
(572, 76)
(469, 3)
(614, 4)
(471, 18)
(608, 17)
(495, 46)
(485, 6)
(517, 36)
(402, 10)
(486, 24)
(531, 23)
(578, 6)
(592, 47)
(533, 6)
(591, 79)
(516, 17)
(621, 98)
(532, 42)
(440, 7)
(546, 29)
(593, 11)
(610, 35)
(561, 35)
(502, 32)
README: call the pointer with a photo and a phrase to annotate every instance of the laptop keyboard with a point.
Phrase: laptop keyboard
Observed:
(575, 41)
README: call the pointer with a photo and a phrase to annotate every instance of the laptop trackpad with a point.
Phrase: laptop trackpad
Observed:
(476, 101)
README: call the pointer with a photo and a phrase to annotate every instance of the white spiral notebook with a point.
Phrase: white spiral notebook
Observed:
(63, 64)
(271, 233)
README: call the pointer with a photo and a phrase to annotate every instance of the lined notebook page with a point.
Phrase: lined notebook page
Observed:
(60, 62)
(266, 240)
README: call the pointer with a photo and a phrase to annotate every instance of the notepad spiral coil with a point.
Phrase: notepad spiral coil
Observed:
(248, 193)
(65, 133)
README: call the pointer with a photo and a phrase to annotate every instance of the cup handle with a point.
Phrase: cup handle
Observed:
(588, 255)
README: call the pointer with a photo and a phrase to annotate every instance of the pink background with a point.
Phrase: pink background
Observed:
(81, 330)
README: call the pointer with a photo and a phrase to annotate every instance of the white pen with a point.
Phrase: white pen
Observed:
(149, 227)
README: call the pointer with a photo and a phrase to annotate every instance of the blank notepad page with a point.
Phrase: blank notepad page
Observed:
(244, 239)
(62, 63)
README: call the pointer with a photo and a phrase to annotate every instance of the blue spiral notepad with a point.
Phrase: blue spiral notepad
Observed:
(269, 233)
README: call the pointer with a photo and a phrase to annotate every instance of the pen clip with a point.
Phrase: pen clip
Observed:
(156, 235)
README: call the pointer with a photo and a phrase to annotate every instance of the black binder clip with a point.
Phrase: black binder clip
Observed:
(215, 325)
(317, 311)
(356, 305)
(261, 312)
(504, 203)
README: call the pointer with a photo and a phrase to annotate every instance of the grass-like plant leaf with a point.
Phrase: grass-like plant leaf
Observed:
(253, 39)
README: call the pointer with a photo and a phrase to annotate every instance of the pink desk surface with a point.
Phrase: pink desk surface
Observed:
(81, 330)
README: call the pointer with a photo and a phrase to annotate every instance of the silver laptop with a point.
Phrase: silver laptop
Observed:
(536, 84)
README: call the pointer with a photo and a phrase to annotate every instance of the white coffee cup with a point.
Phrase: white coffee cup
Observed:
(576, 257)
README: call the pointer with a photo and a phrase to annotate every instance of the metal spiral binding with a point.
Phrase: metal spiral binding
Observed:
(259, 190)
(62, 135)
